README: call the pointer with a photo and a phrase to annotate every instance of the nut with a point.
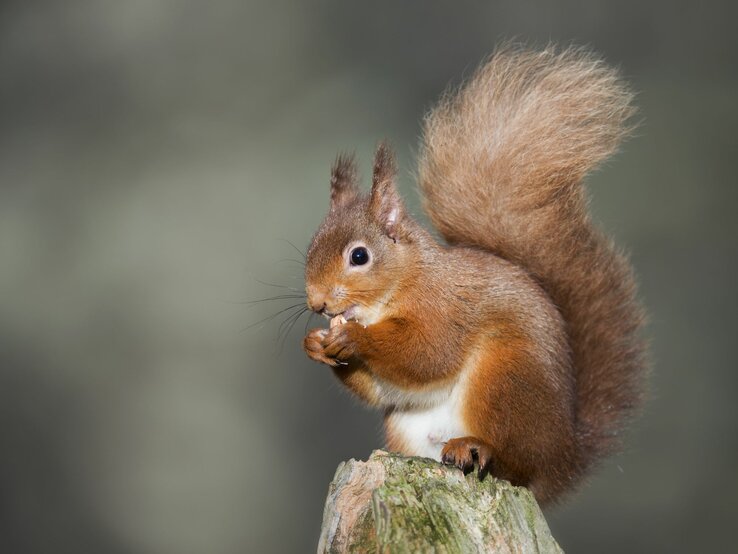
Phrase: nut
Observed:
(338, 320)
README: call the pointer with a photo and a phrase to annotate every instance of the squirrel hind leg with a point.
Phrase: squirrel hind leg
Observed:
(464, 452)
(467, 452)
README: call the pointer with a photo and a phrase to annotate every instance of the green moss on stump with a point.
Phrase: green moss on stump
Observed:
(395, 504)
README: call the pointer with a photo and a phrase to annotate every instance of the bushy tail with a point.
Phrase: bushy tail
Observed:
(501, 167)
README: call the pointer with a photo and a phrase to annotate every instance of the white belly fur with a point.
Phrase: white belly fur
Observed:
(431, 418)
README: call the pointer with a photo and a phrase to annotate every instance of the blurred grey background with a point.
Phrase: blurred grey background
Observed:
(155, 157)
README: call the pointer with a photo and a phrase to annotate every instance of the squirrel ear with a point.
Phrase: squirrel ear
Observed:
(385, 202)
(343, 181)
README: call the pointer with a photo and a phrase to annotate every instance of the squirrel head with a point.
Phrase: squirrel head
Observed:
(363, 246)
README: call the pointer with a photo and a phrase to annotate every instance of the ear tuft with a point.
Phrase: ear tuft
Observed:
(343, 180)
(385, 168)
(385, 203)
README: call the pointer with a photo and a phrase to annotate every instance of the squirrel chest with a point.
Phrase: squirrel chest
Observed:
(420, 422)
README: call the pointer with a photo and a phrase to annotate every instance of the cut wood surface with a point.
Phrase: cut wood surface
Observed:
(396, 504)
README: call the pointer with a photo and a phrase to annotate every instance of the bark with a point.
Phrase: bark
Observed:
(395, 504)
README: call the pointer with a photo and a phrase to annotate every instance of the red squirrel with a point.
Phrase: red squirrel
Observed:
(516, 344)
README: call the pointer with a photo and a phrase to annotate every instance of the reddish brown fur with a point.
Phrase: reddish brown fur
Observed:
(530, 302)
(358, 379)
(516, 392)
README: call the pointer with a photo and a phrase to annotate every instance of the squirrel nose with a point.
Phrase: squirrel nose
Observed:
(316, 299)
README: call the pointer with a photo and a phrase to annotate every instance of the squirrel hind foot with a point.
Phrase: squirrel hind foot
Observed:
(464, 452)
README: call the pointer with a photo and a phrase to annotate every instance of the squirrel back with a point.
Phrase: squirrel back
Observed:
(501, 168)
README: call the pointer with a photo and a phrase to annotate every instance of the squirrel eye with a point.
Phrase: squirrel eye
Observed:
(359, 256)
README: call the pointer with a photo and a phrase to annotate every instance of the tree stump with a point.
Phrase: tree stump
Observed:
(395, 504)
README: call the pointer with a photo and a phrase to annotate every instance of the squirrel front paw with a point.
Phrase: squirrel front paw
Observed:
(313, 346)
(340, 341)
(332, 346)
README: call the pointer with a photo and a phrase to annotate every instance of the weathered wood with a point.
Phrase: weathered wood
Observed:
(395, 504)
